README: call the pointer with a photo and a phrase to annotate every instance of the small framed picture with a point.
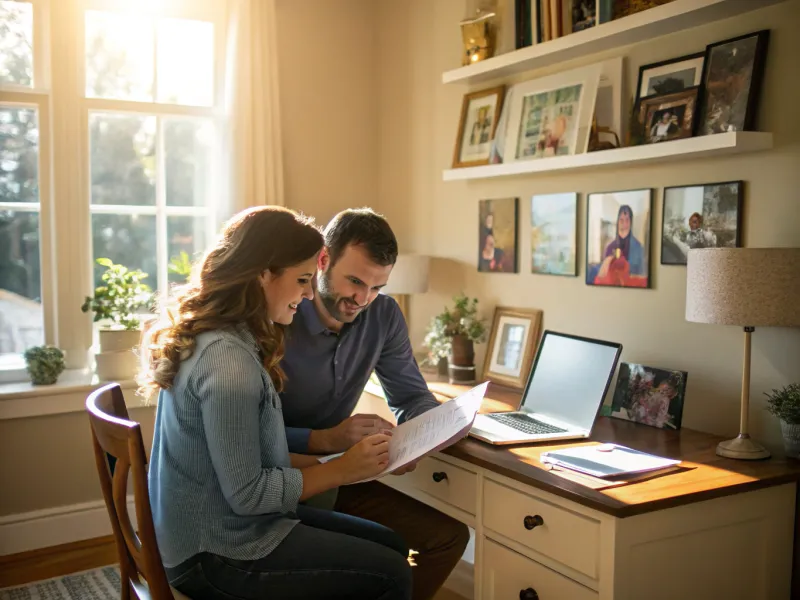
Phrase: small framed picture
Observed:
(732, 76)
(480, 112)
(668, 116)
(670, 76)
(618, 238)
(649, 396)
(512, 344)
(700, 216)
(554, 225)
(497, 235)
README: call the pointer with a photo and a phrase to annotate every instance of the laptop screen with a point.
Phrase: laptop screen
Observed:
(570, 378)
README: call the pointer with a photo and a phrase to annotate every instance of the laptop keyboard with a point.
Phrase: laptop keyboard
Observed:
(524, 423)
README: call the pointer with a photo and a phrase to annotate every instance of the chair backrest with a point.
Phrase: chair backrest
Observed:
(119, 451)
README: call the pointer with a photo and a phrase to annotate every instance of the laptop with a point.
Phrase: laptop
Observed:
(563, 395)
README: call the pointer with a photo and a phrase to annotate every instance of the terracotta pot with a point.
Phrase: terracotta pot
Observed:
(462, 351)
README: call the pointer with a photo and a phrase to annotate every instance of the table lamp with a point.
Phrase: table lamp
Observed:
(748, 287)
(409, 276)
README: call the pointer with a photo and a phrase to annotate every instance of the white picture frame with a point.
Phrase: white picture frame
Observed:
(574, 135)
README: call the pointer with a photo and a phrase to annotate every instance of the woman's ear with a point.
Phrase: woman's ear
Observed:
(265, 278)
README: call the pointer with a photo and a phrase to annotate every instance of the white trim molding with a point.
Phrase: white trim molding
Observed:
(55, 526)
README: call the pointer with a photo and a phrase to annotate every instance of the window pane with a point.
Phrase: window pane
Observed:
(188, 164)
(122, 159)
(21, 318)
(184, 234)
(186, 62)
(129, 240)
(16, 42)
(19, 155)
(119, 56)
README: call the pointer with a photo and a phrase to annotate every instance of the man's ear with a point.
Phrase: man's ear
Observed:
(323, 260)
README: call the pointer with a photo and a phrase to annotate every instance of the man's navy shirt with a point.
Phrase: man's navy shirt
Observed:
(326, 372)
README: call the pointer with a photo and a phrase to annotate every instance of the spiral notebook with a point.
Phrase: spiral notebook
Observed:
(607, 460)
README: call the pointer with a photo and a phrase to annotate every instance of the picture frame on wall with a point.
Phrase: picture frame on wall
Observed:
(554, 234)
(700, 216)
(670, 76)
(497, 235)
(733, 73)
(552, 116)
(477, 125)
(668, 116)
(618, 238)
(512, 345)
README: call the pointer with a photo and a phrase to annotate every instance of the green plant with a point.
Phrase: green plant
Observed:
(120, 298)
(785, 403)
(462, 319)
(44, 364)
(180, 265)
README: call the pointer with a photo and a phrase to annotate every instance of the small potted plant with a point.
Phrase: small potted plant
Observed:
(785, 404)
(44, 364)
(117, 305)
(452, 335)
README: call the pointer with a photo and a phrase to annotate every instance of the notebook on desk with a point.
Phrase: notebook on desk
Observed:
(607, 461)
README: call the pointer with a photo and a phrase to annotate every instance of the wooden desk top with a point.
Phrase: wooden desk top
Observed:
(710, 476)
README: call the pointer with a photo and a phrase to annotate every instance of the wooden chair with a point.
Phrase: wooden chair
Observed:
(118, 450)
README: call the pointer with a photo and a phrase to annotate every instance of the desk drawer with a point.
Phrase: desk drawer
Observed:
(446, 482)
(508, 575)
(564, 536)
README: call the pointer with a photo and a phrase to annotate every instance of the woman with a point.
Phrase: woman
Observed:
(624, 253)
(223, 486)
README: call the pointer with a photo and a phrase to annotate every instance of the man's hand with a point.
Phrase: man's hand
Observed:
(347, 433)
(405, 469)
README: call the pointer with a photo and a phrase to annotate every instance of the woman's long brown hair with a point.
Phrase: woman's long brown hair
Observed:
(224, 290)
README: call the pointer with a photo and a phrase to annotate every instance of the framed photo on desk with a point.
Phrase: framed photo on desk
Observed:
(512, 345)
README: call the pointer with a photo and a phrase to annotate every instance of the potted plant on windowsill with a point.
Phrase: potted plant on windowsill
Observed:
(452, 336)
(44, 364)
(117, 305)
(785, 404)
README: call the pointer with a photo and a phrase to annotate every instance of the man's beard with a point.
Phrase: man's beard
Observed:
(331, 299)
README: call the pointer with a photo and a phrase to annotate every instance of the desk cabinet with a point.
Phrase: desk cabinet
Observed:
(738, 546)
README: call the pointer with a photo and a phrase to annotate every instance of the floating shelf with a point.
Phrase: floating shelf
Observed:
(706, 146)
(666, 19)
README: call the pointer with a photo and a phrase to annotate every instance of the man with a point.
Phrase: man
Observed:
(334, 344)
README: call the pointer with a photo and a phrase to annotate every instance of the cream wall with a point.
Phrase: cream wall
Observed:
(420, 39)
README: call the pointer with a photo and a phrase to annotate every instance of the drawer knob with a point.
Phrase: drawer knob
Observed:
(533, 521)
(439, 476)
(529, 594)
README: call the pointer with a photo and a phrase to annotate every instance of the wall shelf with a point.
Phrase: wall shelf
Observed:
(666, 19)
(706, 146)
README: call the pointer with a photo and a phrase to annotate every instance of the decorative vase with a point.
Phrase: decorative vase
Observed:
(791, 438)
(117, 359)
(461, 363)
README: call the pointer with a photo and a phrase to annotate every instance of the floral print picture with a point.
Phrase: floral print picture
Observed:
(650, 396)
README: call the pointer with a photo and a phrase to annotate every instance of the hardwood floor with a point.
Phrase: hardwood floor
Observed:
(19, 569)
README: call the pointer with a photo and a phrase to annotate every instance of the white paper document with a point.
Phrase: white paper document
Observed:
(431, 430)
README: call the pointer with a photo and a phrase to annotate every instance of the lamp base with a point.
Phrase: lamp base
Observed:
(742, 448)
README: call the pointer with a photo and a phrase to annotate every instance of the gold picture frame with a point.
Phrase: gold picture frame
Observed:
(513, 341)
(477, 125)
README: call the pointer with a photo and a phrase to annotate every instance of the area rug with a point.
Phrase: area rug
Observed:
(97, 584)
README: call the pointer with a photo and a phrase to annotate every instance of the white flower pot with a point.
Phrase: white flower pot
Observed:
(117, 365)
(112, 340)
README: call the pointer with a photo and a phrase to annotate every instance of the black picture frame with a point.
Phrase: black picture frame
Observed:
(644, 68)
(756, 81)
(576, 199)
(648, 259)
(739, 215)
(513, 265)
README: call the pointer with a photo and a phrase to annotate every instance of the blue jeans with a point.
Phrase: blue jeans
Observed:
(326, 555)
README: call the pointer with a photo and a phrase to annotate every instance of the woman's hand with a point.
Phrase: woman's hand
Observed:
(367, 458)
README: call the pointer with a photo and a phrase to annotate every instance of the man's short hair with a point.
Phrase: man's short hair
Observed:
(361, 227)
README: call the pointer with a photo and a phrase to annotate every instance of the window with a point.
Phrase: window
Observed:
(133, 148)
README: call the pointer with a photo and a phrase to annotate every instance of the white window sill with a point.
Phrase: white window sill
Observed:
(23, 400)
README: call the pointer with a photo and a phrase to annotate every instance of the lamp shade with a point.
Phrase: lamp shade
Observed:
(409, 275)
(748, 287)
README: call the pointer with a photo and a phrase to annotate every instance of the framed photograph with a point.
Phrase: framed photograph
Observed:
(512, 345)
(668, 116)
(700, 216)
(497, 235)
(618, 238)
(649, 396)
(554, 234)
(670, 76)
(480, 112)
(552, 116)
(732, 76)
